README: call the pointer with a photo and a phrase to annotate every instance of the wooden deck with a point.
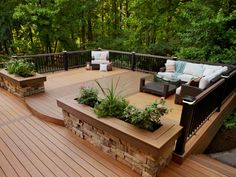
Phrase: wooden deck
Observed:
(198, 166)
(30, 147)
(64, 84)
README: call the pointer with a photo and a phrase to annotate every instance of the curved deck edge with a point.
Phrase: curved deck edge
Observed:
(43, 116)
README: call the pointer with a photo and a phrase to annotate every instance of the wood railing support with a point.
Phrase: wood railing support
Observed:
(133, 61)
(186, 120)
(65, 58)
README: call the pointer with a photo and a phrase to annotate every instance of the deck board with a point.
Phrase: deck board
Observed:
(31, 147)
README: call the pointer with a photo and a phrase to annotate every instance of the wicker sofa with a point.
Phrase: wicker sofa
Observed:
(194, 77)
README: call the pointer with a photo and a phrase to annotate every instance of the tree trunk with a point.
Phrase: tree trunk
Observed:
(90, 30)
(114, 9)
(120, 15)
(127, 8)
(83, 40)
(5, 47)
(55, 46)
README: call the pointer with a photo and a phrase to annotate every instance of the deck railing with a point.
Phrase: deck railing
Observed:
(196, 111)
(137, 61)
(67, 60)
(58, 61)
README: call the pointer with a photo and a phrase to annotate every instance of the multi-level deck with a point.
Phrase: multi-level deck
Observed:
(32, 147)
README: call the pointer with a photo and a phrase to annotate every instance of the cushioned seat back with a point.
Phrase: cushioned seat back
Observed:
(100, 55)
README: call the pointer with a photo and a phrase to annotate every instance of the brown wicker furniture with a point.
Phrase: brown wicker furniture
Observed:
(159, 87)
(97, 66)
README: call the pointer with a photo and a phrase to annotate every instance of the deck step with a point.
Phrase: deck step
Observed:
(198, 166)
(214, 164)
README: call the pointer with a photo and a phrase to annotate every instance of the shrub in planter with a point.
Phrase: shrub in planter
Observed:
(149, 118)
(112, 105)
(20, 67)
(88, 96)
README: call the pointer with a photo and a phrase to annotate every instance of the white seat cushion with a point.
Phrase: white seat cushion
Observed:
(100, 55)
(100, 61)
(186, 77)
(166, 75)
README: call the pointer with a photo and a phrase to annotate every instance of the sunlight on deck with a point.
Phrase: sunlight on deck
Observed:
(143, 99)
(68, 83)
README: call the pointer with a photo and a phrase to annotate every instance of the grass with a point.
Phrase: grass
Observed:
(230, 122)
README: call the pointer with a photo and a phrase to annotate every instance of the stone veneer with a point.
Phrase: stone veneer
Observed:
(145, 163)
(22, 86)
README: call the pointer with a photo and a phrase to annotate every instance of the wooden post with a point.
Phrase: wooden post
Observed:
(65, 57)
(133, 61)
(185, 122)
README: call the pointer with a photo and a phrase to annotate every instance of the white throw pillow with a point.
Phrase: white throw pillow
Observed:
(170, 62)
(103, 67)
(203, 83)
(170, 67)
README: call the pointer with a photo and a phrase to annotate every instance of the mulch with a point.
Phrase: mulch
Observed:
(224, 140)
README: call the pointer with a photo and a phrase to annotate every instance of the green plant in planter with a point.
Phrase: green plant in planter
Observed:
(88, 96)
(20, 67)
(112, 105)
(149, 118)
(11, 66)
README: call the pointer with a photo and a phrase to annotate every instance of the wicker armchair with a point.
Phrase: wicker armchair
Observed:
(186, 90)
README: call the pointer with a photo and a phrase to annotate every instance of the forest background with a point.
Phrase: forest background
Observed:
(191, 29)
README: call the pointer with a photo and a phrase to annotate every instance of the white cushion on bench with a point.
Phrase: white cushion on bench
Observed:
(100, 55)
(99, 61)
(166, 75)
(186, 77)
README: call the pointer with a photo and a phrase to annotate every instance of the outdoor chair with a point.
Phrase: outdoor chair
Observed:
(99, 57)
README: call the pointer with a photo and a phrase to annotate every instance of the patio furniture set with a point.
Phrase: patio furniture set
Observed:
(182, 78)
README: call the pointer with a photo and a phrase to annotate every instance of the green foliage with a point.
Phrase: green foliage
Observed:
(20, 67)
(149, 118)
(11, 66)
(112, 105)
(230, 122)
(201, 30)
(4, 58)
(88, 96)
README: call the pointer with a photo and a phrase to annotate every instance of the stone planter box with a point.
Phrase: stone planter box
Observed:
(22, 86)
(143, 151)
